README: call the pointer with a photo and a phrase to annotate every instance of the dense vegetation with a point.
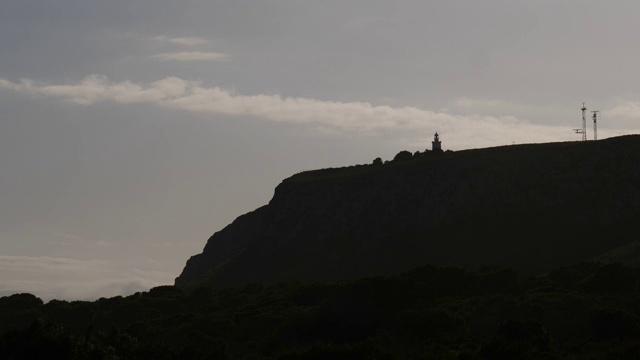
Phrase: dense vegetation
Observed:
(586, 311)
(398, 161)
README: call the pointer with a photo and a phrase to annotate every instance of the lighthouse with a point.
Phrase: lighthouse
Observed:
(436, 144)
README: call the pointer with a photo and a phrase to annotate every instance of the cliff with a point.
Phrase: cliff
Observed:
(528, 207)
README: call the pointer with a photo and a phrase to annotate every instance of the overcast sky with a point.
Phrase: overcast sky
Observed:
(132, 130)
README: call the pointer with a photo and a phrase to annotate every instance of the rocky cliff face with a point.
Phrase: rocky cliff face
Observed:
(530, 207)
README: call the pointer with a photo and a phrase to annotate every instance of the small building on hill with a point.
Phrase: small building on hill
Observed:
(436, 145)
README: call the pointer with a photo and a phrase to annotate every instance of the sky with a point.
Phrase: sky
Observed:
(131, 131)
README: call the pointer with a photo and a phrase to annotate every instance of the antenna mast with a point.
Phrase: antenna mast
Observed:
(583, 131)
(595, 124)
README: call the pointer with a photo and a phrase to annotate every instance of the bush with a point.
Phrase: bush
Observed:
(402, 156)
(516, 339)
(611, 279)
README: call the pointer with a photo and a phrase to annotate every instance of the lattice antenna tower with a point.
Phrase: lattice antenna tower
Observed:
(583, 131)
(595, 124)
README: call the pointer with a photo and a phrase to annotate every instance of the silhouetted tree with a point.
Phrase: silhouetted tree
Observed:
(402, 155)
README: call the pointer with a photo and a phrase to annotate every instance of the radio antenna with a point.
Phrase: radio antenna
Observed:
(583, 131)
(595, 124)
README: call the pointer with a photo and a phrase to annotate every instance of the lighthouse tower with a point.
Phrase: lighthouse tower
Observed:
(436, 144)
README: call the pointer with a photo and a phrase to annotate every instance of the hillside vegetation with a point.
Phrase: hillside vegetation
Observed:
(586, 311)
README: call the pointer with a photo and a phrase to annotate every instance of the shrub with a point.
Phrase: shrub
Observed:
(403, 155)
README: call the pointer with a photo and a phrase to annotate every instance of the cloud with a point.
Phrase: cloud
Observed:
(331, 116)
(468, 103)
(192, 56)
(183, 41)
(189, 42)
(625, 109)
(66, 239)
(167, 244)
(625, 114)
(28, 264)
(97, 88)
(465, 105)
(74, 279)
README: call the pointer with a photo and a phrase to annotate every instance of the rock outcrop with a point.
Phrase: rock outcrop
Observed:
(529, 207)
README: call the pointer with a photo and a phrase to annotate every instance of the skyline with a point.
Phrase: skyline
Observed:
(131, 131)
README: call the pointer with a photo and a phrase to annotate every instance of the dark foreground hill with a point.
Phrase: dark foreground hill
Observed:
(527, 207)
(586, 311)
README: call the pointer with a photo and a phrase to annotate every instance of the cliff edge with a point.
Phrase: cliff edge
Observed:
(529, 207)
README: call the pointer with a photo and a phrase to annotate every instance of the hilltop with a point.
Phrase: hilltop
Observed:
(529, 207)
